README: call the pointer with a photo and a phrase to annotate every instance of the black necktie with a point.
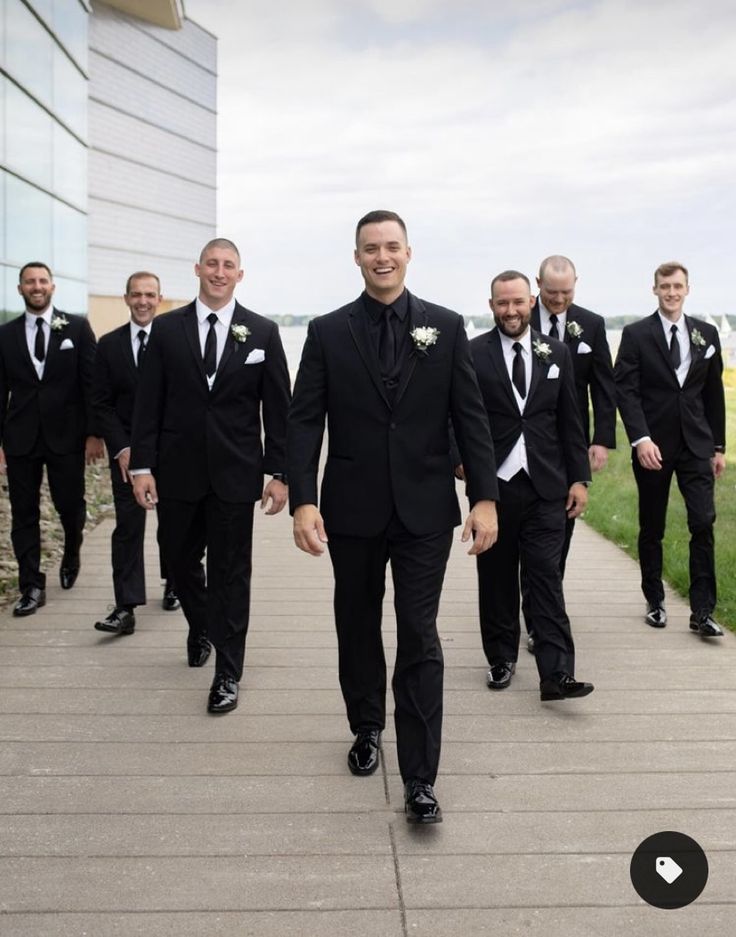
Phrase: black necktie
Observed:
(674, 349)
(518, 371)
(141, 348)
(387, 342)
(39, 349)
(210, 347)
(554, 332)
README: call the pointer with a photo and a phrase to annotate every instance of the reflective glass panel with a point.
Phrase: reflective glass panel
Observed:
(70, 295)
(28, 220)
(28, 137)
(29, 52)
(69, 168)
(69, 255)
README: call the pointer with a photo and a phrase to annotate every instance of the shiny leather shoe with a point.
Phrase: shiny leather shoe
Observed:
(119, 621)
(31, 600)
(656, 616)
(198, 651)
(530, 643)
(223, 694)
(363, 756)
(565, 687)
(706, 626)
(420, 804)
(68, 571)
(499, 676)
(170, 601)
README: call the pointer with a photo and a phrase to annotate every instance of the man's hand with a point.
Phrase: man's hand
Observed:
(94, 449)
(123, 460)
(649, 456)
(144, 489)
(483, 522)
(718, 462)
(460, 472)
(309, 529)
(278, 493)
(3, 464)
(577, 498)
(597, 456)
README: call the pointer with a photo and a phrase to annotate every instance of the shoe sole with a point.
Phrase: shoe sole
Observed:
(498, 686)
(423, 821)
(550, 697)
(119, 631)
(221, 710)
(705, 634)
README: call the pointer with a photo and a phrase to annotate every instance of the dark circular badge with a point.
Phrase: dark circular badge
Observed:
(669, 870)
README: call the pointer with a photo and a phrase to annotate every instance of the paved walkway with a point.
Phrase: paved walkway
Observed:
(126, 810)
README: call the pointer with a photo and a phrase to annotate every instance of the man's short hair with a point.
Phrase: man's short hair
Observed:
(35, 263)
(667, 269)
(376, 217)
(509, 275)
(222, 243)
(557, 263)
(138, 275)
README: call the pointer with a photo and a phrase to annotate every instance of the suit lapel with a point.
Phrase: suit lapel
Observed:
(191, 331)
(358, 325)
(23, 354)
(660, 341)
(126, 351)
(539, 368)
(417, 319)
(495, 350)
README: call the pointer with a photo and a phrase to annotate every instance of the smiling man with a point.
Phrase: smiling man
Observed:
(387, 372)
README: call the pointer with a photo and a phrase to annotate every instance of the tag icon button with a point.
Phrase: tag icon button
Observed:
(668, 869)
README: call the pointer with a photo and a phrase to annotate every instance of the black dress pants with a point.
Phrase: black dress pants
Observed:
(418, 567)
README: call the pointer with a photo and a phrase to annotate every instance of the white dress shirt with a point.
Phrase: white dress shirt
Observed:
(222, 326)
(32, 329)
(516, 459)
(134, 330)
(683, 340)
(545, 325)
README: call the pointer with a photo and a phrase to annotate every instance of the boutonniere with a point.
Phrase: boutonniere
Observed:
(574, 330)
(697, 339)
(541, 350)
(240, 332)
(58, 323)
(424, 337)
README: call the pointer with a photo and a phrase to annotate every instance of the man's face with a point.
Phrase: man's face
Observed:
(671, 292)
(511, 304)
(36, 287)
(382, 255)
(557, 290)
(142, 300)
(219, 273)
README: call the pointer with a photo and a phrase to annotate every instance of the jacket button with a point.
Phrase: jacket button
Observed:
(392, 425)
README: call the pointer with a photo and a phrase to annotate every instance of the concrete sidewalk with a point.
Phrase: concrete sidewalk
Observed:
(126, 810)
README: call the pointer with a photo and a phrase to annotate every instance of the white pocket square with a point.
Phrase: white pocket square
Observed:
(710, 351)
(256, 356)
(553, 372)
(584, 349)
(67, 343)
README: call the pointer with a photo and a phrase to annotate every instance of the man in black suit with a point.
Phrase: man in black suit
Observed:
(120, 356)
(584, 332)
(214, 377)
(387, 371)
(528, 389)
(670, 393)
(46, 362)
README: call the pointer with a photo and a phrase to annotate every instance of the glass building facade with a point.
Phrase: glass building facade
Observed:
(43, 147)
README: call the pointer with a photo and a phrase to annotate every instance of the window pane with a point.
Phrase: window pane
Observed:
(29, 52)
(70, 94)
(28, 137)
(70, 295)
(69, 168)
(70, 25)
(69, 257)
(28, 223)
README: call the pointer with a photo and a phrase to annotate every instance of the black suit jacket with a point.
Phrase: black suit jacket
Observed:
(593, 373)
(59, 406)
(650, 399)
(196, 440)
(556, 451)
(382, 457)
(114, 388)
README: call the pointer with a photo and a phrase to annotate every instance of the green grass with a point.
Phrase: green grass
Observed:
(613, 511)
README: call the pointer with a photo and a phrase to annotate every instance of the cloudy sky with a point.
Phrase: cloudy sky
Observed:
(501, 130)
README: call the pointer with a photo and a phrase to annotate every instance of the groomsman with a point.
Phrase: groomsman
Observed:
(46, 362)
(528, 388)
(214, 380)
(669, 378)
(387, 371)
(120, 356)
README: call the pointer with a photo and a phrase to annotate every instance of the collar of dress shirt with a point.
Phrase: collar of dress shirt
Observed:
(507, 343)
(225, 314)
(376, 308)
(135, 329)
(545, 324)
(32, 318)
(668, 323)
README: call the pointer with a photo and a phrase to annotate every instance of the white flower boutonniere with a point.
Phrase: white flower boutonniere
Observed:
(240, 332)
(574, 329)
(541, 350)
(697, 339)
(59, 322)
(424, 337)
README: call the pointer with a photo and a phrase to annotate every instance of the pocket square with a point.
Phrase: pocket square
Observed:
(553, 372)
(584, 348)
(256, 356)
(710, 351)
(66, 344)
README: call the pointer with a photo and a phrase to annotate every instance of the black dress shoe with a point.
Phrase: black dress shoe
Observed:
(198, 651)
(170, 601)
(565, 687)
(706, 626)
(420, 804)
(363, 756)
(119, 621)
(656, 616)
(499, 676)
(223, 694)
(31, 600)
(530, 643)
(68, 571)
